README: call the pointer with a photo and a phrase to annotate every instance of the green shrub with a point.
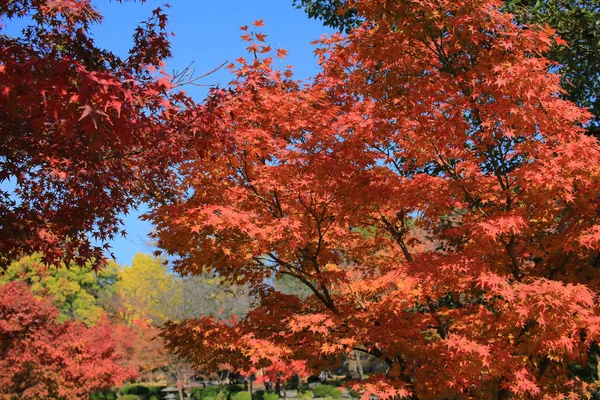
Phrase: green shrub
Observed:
(241, 396)
(209, 391)
(258, 395)
(155, 390)
(103, 395)
(209, 398)
(136, 389)
(306, 395)
(221, 396)
(327, 391)
(196, 393)
(199, 393)
(129, 397)
(231, 389)
(273, 396)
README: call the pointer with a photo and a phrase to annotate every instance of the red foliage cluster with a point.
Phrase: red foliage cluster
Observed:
(41, 359)
(84, 134)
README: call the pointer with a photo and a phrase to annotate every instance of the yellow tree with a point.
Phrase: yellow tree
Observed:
(146, 291)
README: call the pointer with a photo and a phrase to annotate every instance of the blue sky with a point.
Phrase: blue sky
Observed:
(207, 33)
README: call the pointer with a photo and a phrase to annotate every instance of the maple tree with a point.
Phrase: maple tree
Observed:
(431, 189)
(42, 359)
(84, 134)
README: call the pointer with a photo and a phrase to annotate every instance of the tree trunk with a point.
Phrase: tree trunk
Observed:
(359, 365)
(355, 369)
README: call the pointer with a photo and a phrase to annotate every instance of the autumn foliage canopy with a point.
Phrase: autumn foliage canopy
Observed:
(429, 187)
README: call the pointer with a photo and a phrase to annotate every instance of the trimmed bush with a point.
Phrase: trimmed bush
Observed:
(103, 395)
(272, 396)
(136, 389)
(258, 395)
(209, 391)
(306, 395)
(241, 396)
(221, 396)
(209, 398)
(155, 390)
(129, 397)
(327, 391)
(199, 393)
(231, 389)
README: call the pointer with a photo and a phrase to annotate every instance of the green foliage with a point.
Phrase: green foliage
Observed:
(306, 395)
(208, 392)
(330, 12)
(293, 383)
(327, 391)
(155, 390)
(233, 388)
(103, 395)
(273, 396)
(241, 396)
(258, 395)
(197, 393)
(136, 389)
(221, 396)
(129, 397)
(209, 398)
